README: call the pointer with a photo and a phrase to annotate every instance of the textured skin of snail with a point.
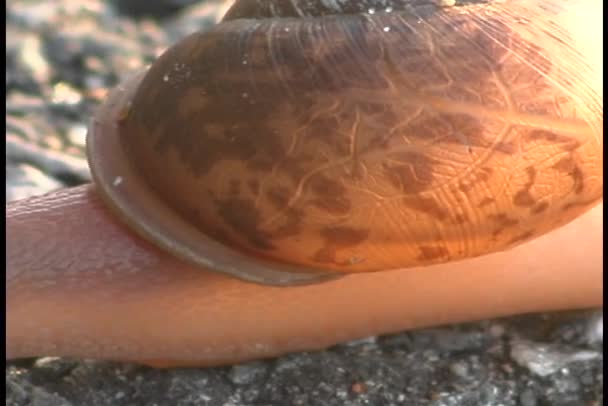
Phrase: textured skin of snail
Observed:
(293, 143)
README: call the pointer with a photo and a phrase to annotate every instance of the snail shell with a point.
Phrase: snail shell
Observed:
(290, 144)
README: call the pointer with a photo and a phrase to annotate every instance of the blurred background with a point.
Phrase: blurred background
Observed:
(62, 56)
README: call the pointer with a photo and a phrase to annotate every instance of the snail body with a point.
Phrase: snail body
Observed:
(295, 144)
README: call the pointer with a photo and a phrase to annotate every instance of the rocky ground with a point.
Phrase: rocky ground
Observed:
(62, 56)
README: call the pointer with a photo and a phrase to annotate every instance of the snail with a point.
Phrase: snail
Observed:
(356, 142)
(364, 150)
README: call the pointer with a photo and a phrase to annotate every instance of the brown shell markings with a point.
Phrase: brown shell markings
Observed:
(370, 140)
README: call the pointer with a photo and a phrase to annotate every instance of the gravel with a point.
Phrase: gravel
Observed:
(56, 76)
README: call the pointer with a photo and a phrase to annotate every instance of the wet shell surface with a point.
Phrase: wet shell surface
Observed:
(345, 137)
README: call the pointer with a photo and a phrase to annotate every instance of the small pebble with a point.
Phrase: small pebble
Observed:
(247, 373)
(595, 329)
(546, 359)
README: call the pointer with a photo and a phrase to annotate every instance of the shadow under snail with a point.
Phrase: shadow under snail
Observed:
(426, 151)
(294, 142)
